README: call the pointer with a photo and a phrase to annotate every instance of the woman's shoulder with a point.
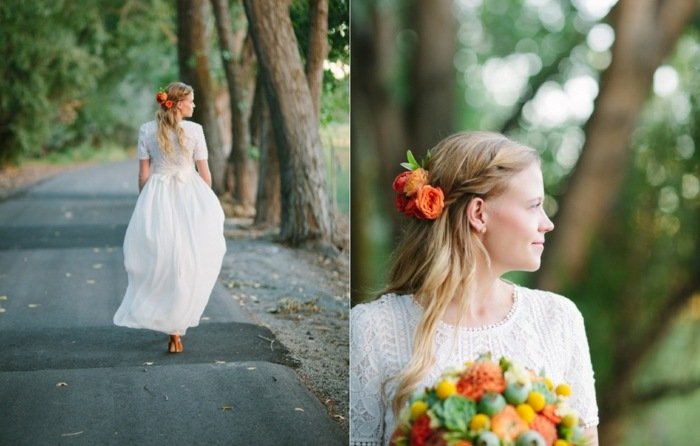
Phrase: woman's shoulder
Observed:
(191, 126)
(148, 127)
(548, 301)
(387, 306)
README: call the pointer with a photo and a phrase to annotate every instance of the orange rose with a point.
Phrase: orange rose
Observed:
(507, 424)
(161, 97)
(430, 202)
(400, 181)
(545, 428)
(168, 104)
(417, 179)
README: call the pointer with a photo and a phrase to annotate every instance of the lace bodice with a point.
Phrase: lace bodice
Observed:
(542, 331)
(181, 159)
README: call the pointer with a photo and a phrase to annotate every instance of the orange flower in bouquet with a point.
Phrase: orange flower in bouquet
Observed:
(488, 403)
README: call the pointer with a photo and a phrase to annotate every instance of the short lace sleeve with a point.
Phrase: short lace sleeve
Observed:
(366, 371)
(200, 144)
(142, 147)
(579, 374)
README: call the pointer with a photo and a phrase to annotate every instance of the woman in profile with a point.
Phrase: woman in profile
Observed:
(475, 213)
(174, 244)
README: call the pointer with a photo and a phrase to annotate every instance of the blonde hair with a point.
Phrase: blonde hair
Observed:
(435, 259)
(167, 118)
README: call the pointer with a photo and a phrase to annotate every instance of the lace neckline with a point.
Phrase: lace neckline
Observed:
(444, 326)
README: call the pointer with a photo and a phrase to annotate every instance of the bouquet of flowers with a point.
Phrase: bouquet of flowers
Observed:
(488, 403)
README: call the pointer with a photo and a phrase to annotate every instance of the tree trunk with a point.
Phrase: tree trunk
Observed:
(646, 31)
(267, 204)
(433, 79)
(318, 50)
(388, 127)
(193, 56)
(305, 216)
(238, 61)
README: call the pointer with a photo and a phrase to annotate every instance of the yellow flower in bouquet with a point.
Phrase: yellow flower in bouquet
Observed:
(488, 403)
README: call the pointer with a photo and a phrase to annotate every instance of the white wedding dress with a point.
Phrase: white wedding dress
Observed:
(543, 331)
(174, 244)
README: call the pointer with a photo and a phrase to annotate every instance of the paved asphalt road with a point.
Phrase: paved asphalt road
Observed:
(70, 377)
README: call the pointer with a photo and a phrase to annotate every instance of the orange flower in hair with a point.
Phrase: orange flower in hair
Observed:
(161, 97)
(168, 104)
(429, 202)
(415, 197)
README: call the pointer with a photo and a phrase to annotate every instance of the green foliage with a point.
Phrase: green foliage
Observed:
(51, 63)
(85, 76)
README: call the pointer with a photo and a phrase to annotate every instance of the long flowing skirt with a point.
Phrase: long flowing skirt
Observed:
(173, 249)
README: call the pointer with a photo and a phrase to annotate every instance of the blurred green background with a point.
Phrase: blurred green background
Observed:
(609, 93)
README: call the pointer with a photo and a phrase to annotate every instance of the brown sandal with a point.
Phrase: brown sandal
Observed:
(175, 344)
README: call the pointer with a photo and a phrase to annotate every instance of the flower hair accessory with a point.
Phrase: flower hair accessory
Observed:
(414, 196)
(162, 99)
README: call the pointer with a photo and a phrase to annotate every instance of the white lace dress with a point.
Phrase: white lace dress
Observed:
(174, 244)
(542, 331)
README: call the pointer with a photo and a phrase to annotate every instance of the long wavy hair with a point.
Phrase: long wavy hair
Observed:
(168, 119)
(435, 259)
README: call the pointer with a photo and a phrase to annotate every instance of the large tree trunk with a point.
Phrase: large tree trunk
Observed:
(388, 128)
(433, 79)
(193, 56)
(267, 204)
(238, 59)
(646, 31)
(305, 215)
(318, 50)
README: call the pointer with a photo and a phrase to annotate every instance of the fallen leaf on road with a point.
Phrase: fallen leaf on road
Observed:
(62, 384)
(3, 297)
(225, 408)
(34, 305)
(72, 434)
(298, 409)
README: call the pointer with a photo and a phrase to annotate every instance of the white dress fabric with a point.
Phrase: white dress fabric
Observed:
(174, 244)
(543, 331)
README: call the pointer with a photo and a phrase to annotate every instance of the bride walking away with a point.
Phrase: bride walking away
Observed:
(174, 244)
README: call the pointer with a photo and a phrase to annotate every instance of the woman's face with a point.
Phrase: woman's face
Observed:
(186, 106)
(516, 223)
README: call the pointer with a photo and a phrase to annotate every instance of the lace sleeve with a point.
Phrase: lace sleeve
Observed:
(142, 148)
(579, 374)
(366, 371)
(200, 144)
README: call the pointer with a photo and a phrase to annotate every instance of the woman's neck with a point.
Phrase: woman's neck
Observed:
(489, 302)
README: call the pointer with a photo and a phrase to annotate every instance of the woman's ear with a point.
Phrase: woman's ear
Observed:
(476, 214)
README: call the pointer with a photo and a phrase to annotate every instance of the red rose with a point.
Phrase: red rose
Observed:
(420, 431)
(161, 97)
(400, 181)
(401, 202)
(409, 208)
(430, 202)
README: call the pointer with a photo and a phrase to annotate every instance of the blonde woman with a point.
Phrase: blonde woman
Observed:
(446, 303)
(174, 244)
